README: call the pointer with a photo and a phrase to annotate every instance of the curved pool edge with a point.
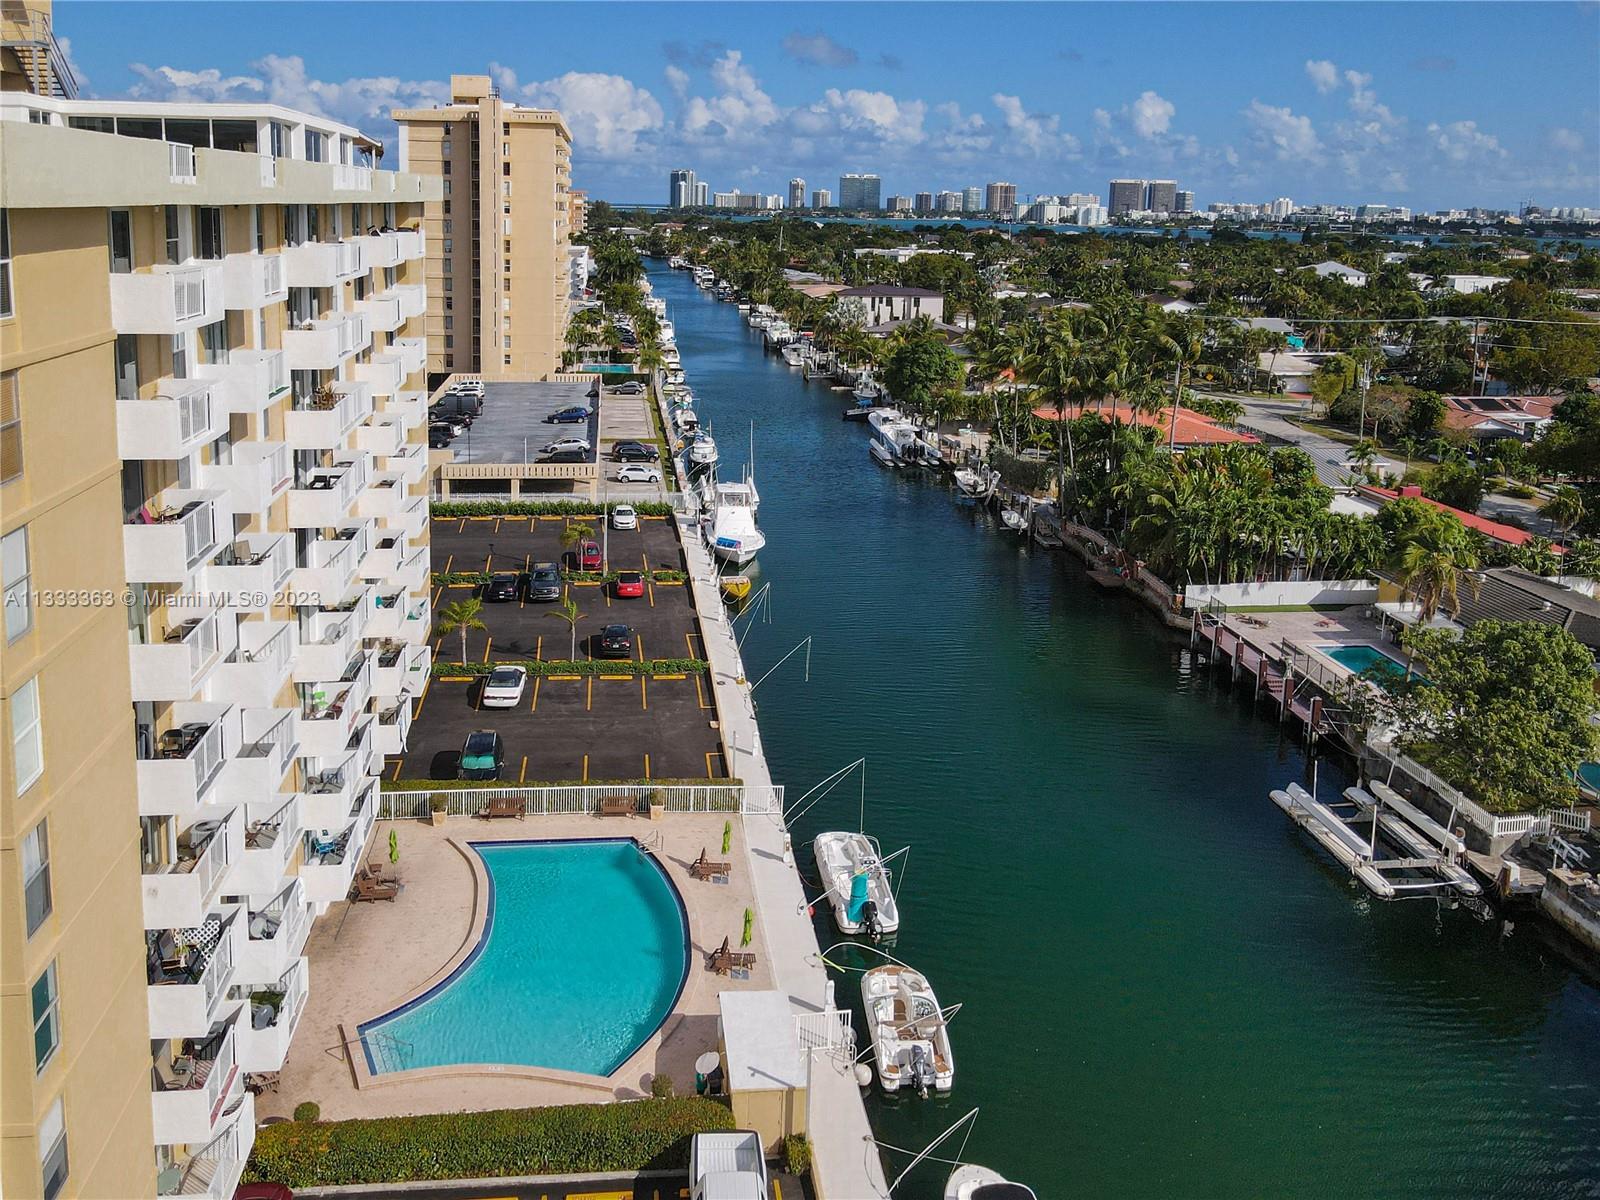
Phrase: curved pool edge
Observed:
(353, 1038)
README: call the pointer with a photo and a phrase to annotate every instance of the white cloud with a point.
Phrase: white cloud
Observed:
(283, 80)
(740, 110)
(677, 80)
(170, 83)
(1039, 134)
(1463, 141)
(1323, 74)
(1569, 140)
(819, 50)
(607, 114)
(1364, 101)
(877, 114)
(1290, 137)
(1151, 114)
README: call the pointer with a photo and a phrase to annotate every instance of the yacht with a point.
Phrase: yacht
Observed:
(893, 437)
(851, 867)
(972, 1182)
(724, 291)
(704, 277)
(794, 354)
(665, 332)
(678, 263)
(910, 1039)
(702, 450)
(975, 485)
(685, 420)
(780, 333)
(730, 524)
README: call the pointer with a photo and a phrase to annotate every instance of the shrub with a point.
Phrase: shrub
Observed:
(796, 1154)
(641, 1135)
(307, 1110)
(661, 1087)
(438, 802)
(577, 666)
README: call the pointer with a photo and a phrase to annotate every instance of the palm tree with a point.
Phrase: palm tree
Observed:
(575, 532)
(1564, 509)
(461, 616)
(1429, 565)
(1184, 340)
(1362, 453)
(1061, 373)
(650, 359)
(569, 613)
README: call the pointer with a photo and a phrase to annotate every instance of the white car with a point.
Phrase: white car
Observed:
(638, 473)
(571, 443)
(623, 517)
(503, 688)
(468, 387)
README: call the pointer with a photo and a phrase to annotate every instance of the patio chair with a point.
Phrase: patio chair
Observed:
(174, 1076)
(366, 889)
(703, 868)
(720, 960)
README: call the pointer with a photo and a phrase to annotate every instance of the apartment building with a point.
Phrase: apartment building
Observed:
(498, 234)
(214, 524)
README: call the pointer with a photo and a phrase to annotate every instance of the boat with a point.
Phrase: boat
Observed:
(724, 291)
(685, 420)
(779, 333)
(974, 484)
(735, 587)
(972, 1182)
(1013, 520)
(857, 882)
(666, 332)
(866, 391)
(730, 524)
(857, 413)
(893, 438)
(794, 354)
(910, 1039)
(678, 263)
(702, 450)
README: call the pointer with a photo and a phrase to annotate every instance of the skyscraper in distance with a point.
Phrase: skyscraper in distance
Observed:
(972, 199)
(1161, 195)
(1001, 199)
(702, 193)
(681, 188)
(860, 192)
(797, 193)
(821, 198)
(1185, 202)
(923, 202)
(1125, 196)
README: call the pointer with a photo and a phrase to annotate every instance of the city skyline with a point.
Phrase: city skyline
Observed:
(1326, 111)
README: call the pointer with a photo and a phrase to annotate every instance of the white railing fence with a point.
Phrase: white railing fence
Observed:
(579, 799)
(828, 1030)
(180, 162)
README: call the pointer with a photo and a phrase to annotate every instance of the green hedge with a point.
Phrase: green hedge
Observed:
(579, 666)
(441, 785)
(636, 1136)
(542, 508)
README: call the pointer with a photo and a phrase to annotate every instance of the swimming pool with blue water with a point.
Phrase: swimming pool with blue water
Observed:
(1362, 657)
(583, 956)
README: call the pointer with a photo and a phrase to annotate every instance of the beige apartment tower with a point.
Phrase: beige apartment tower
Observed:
(498, 235)
(214, 534)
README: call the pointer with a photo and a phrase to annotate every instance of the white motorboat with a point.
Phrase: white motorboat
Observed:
(794, 354)
(685, 420)
(972, 1182)
(1013, 520)
(893, 437)
(851, 867)
(910, 1039)
(666, 332)
(780, 333)
(703, 451)
(730, 524)
(675, 376)
(678, 263)
(866, 391)
(974, 484)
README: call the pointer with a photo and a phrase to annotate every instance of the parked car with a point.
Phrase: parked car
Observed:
(567, 443)
(565, 456)
(631, 388)
(634, 452)
(575, 415)
(638, 473)
(262, 1191)
(542, 581)
(614, 641)
(629, 585)
(468, 387)
(727, 1166)
(623, 516)
(453, 424)
(589, 555)
(440, 437)
(503, 688)
(500, 588)
(482, 755)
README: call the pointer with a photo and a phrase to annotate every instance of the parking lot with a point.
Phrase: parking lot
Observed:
(588, 727)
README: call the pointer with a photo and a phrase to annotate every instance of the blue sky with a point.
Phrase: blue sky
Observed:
(1425, 105)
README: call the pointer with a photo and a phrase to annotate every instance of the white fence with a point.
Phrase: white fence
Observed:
(578, 799)
(1282, 595)
(827, 1030)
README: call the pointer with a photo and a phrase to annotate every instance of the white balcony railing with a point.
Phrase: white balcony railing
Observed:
(179, 894)
(323, 264)
(409, 406)
(189, 973)
(413, 353)
(176, 668)
(331, 637)
(180, 418)
(325, 421)
(269, 743)
(382, 312)
(413, 297)
(276, 933)
(332, 856)
(167, 299)
(350, 178)
(259, 473)
(331, 564)
(251, 281)
(413, 244)
(381, 249)
(249, 382)
(384, 496)
(213, 1172)
(254, 674)
(393, 727)
(381, 436)
(271, 833)
(410, 462)
(180, 163)
(324, 345)
(269, 171)
(189, 1101)
(385, 372)
(324, 500)
(264, 1042)
(176, 773)
(171, 537)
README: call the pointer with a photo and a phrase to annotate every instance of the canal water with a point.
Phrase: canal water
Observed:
(1166, 990)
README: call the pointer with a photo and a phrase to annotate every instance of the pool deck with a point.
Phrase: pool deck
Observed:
(366, 958)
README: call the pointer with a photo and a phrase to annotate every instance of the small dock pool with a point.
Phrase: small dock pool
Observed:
(1358, 657)
(584, 953)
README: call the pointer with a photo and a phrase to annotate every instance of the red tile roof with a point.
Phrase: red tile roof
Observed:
(1509, 534)
(1193, 428)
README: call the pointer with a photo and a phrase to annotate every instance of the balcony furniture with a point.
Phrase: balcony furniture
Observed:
(703, 868)
(724, 960)
(175, 1075)
(258, 1082)
(504, 806)
(178, 741)
(263, 926)
(367, 889)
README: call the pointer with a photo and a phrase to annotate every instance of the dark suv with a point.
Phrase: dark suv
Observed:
(634, 452)
(615, 641)
(500, 588)
(542, 582)
(482, 755)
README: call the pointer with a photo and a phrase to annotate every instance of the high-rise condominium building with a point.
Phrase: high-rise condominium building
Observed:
(858, 193)
(1126, 196)
(923, 202)
(1001, 199)
(212, 433)
(821, 198)
(972, 199)
(578, 202)
(948, 202)
(1080, 199)
(1281, 208)
(498, 261)
(797, 193)
(681, 188)
(1160, 195)
(1184, 202)
(898, 204)
(702, 193)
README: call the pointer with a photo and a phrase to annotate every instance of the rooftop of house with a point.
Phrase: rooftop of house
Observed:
(891, 291)
(1194, 429)
(1500, 532)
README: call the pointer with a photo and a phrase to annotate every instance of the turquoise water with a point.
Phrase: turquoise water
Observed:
(1364, 658)
(1168, 991)
(1589, 773)
(583, 957)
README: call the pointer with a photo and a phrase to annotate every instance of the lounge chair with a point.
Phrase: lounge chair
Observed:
(174, 1076)
(725, 959)
(365, 888)
(504, 806)
(703, 868)
(257, 1082)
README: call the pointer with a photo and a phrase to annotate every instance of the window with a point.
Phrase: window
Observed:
(180, 356)
(214, 342)
(505, 168)
(10, 428)
(444, 147)
(18, 592)
(447, 192)
(447, 245)
(176, 240)
(447, 208)
(447, 267)
(53, 1150)
(121, 239)
(448, 225)
(449, 304)
(449, 323)
(316, 146)
(37, 116)
(445, 167)
(449, 342)
(46, 1018)
(6, 307)
(35, 865)
(508, 360)
(210, 232)
(449, 285)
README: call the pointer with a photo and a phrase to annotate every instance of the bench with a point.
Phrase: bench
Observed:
(618, 806)
(504, 806)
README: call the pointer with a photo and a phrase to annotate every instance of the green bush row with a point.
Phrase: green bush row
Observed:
(636, 1136)
(579, 666)
(441, 785)
(542, 508)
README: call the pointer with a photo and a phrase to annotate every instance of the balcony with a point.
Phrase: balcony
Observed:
(250, 382)
(331, 635)
(275, 935)
(167, 540)
(192, 1092)
(177, 772)
(410, 462)
(189, 973)
(181, 417)
(259, 473)
(255, 673)
(418, 622)
(332, 856)
(388, 609)
(324, 345)
(179, 894)
(176, 667)
(381, 436)
(331, 565)
(167, 300)
(326, 420)
(347, 177)
(332, 787)
(385, 372)
(250, 573)
(381, 249)
(324, 501)
(272, 831)
(382, 312)
(413, 244)
(409, 406)
(413, 352)
(322, 264)
(384, 496)
(413, 298)
(252, 281)
(400, 669)
(269, 744)
(274, 1015)
(332, 710)
(383, 560)
(214, 1171)
(393, 726)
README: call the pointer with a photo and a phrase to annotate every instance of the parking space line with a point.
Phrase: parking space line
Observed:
(447, 563)
(398, 763)
(638, 642)
(497, 521)
(538, 648)
(710, 774)
(644, 700)
(586, 768)
(486, 646)
(487, 562)
(700, 691)
(537, 680)
(688, 640)
(588, 700)
(647, 766)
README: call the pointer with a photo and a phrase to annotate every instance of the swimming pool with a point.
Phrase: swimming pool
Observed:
(584, 953)
(1589, 779)
(1360, 657)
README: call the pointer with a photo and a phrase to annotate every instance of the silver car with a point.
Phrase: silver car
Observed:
(503, 688)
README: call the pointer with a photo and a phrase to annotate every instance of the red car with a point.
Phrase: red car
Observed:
(589, 556)
(630, 584)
